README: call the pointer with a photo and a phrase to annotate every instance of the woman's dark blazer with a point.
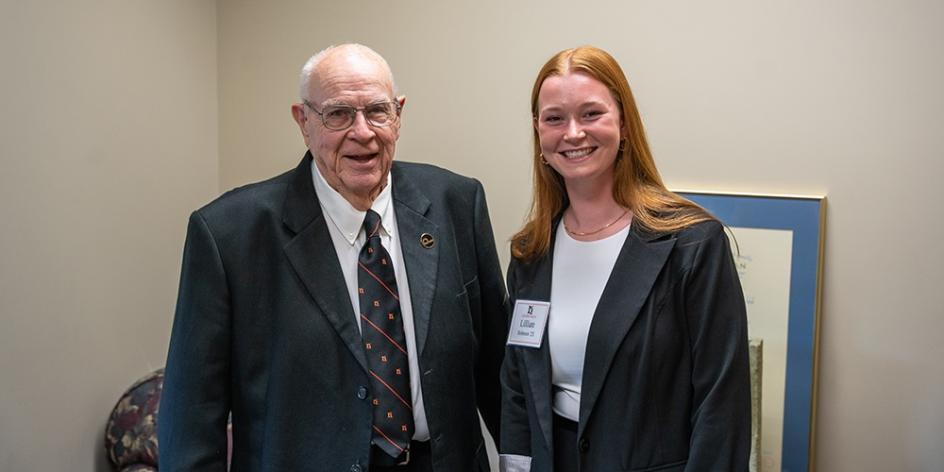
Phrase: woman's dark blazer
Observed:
(666, 380)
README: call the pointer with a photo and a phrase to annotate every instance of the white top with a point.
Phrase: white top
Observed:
(581, 270)
(345, 226)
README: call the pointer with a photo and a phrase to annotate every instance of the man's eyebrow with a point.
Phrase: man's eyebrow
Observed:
(373, 101)
(335, 102)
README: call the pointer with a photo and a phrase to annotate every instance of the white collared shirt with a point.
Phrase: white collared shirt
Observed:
(345, 227)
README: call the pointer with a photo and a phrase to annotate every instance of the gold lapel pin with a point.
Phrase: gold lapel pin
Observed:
(427, 240)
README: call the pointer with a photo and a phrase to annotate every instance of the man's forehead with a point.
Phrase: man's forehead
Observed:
(351, 73)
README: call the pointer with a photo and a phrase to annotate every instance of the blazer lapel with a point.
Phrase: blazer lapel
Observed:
(638, 265)
(422, 263)
(535, 285)
(312, 255)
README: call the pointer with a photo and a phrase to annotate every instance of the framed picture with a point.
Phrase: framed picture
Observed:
(777, 243)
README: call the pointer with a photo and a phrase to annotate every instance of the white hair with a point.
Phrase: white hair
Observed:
(304, 81)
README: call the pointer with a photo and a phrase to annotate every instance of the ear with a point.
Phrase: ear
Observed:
(401, 101)
(298, 114)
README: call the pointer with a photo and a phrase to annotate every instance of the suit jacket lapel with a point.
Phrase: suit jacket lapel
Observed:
(638, 265)
(410, 207)
(312, 255)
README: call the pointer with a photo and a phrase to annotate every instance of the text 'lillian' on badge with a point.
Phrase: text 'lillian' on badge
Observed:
(528, 322)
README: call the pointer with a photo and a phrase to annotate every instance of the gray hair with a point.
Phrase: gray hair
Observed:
(304, 81)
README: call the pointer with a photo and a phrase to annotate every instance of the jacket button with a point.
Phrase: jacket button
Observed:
(584, 445)
(356, 468)
(362, 394)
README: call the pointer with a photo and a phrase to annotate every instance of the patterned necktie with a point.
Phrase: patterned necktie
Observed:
(384, 343)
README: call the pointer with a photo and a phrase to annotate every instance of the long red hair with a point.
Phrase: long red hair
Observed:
(637, 185)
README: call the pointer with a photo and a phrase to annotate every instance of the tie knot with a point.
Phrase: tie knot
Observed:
(371, 224)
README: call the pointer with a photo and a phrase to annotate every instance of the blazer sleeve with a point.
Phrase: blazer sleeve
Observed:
(492, 311)
(717, 318)
(195, 398)
(516, 431)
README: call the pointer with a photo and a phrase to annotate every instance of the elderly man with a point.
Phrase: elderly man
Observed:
(349, 314)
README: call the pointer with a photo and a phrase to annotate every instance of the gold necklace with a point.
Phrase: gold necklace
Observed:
(591, 233)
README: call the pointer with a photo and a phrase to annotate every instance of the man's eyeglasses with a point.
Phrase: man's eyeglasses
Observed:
(339, 117)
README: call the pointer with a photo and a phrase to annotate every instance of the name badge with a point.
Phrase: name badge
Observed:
(527, 323)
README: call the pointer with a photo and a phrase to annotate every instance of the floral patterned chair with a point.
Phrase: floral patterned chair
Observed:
(131, 431)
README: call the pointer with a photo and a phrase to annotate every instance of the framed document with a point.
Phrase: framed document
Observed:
(777, 244)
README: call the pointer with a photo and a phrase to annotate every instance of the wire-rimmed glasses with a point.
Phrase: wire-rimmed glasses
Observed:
(339, 117)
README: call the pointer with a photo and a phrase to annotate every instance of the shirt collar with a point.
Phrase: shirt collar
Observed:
(347, 219)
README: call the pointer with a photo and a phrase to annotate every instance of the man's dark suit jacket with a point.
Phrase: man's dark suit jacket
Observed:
(264, 329)
(666, 380)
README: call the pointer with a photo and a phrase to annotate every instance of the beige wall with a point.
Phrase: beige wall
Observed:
(808, 97)
(108, 138)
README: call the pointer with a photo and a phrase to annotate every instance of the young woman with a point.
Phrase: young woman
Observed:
(643, 364)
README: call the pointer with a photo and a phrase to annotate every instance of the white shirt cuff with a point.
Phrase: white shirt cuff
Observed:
(514, 463)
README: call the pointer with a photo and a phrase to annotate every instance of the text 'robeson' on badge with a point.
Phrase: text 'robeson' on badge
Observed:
(427, 240)
(528, 322)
